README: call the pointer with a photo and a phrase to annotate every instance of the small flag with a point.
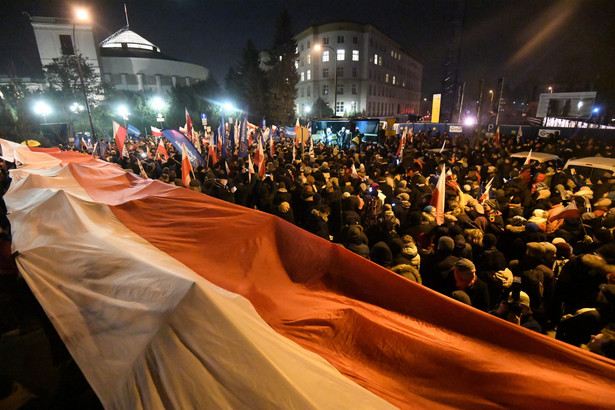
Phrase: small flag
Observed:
(569, 211)
(528, 159)
(143, 173)
(485, 194)
(212, 155)
(443, 145)
(402, 142)
(162, 151)
(297, 129)
(119, 134)
(353, 171)
(156, 132)
(437, 198)
(261, 159)
(186, 167)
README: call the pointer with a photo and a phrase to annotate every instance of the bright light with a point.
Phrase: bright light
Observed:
(41, 108)
(123, 111)
(317, 47)
(76, 107)
(157, 103)
(469, 121)
(580, 104)
(82, 14)
(228, 107)
(596, 110)
(308, 109)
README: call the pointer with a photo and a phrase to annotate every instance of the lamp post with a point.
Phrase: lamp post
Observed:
(318, 47)
(82, 15)
(491, 100)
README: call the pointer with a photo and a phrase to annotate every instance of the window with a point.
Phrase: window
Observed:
(325, 56)
(340, 39)
(301, 92)
(325, 89)
(66, 44)
(353, 106)
(308, 44)
(339, 108)
(393, 79)
(325, 40)
(341, 55)
(380, 60)
(300, 61)
(370, 90)
(355, 40)
(355, 55)
(308, 91)
(340, 71)
(309, 59)
(301, 47)
(354, 89)
(302, 76)
(340, 89)
(309, 75)
(376, 59)
(325, 72)
(386, 78)
(354, 71)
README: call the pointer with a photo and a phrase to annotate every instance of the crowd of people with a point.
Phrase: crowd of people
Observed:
(506, 250)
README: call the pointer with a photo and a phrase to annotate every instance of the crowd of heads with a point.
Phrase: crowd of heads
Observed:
(500, 251)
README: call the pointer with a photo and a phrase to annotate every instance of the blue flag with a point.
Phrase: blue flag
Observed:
(133, 132)
(177, 139)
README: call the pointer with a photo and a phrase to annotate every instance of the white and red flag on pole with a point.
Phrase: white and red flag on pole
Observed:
(259, 158)
(250, 168)
(437, 196)
(297, 131)
(402, 142)
(119, 134)
(569, 211)
(162, 151)
(156, 132)
(212, 155)
(529, 158)
(186, 167)
(485, 194)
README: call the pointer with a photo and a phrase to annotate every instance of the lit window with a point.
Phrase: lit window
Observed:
(393, 78)
(339, 109)
(302, 76)
(325, 89)
(386, 77)
(341, 55)
(309, 76)
(325, 72)
(379, 60)
(376, 59)
(325, 56)
(296, 64)
(309, 59)
(353, 106)
(355, 55)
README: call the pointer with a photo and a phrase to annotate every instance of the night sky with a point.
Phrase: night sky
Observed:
(523, 41)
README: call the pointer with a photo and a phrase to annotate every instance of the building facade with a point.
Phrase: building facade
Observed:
(125, 59)
(356, 70)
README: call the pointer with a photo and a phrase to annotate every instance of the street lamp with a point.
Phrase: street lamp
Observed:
(41, 108)
(123, 111)
(318, 47)
(82, 15)
(551, 90)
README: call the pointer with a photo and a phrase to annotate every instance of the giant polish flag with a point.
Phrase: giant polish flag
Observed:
(169, 298)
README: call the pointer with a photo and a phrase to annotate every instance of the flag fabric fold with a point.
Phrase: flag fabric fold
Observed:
(569, 211)
(438, 195)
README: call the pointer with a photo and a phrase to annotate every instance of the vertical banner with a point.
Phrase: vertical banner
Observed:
(435, 109)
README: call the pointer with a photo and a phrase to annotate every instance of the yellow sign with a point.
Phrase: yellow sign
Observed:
(390, 130)
(435, 109)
